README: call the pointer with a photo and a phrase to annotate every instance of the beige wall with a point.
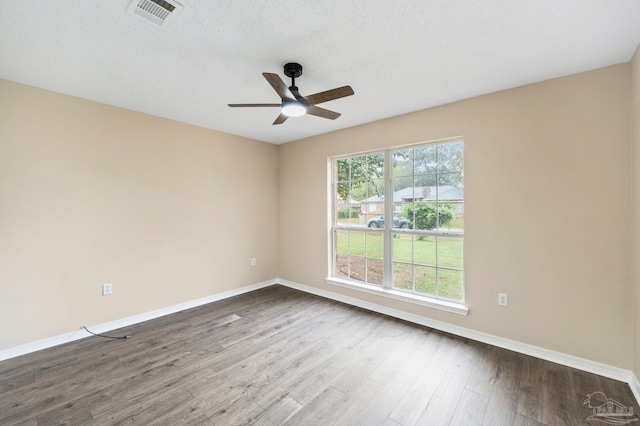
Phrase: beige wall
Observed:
(91, 194)
(547, 214)
(635, 149)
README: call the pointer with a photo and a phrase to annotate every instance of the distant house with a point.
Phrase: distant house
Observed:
(444, 193)
(350, 203)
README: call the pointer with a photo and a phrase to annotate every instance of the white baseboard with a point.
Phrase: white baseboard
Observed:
(114, 325)
(546, 354)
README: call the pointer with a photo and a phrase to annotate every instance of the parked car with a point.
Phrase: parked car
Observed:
(398, 222)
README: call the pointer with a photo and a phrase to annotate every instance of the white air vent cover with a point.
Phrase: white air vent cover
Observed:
(158, 12)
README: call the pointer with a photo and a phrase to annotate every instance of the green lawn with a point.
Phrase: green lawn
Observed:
(363, 252)
(456, 223)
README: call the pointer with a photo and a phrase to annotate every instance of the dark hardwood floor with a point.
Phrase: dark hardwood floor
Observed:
(279, 356)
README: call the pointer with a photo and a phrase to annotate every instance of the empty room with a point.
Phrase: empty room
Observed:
(319, 213)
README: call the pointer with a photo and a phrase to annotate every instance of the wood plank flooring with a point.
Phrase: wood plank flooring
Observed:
(279, 356)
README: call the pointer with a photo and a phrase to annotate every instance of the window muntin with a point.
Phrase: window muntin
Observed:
(424, 256)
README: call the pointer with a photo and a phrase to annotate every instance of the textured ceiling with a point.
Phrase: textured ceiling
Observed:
(399, 56)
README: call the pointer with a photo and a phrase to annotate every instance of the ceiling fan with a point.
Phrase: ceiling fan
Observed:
(293, 104)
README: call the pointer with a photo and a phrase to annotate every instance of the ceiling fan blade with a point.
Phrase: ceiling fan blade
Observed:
(254, 105)
(321, 112)
(281, 119)
(329, 95)
(278, 85)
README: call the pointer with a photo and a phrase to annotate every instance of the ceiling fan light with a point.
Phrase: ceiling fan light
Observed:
(292, 108)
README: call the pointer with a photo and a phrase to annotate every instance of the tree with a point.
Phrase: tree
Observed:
(362, 190)
(428, 215)
(430, 165)
(362, 174)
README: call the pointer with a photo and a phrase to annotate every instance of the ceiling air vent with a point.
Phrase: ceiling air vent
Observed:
(158, 12)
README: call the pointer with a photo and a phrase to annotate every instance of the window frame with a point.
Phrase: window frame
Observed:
(387, 289)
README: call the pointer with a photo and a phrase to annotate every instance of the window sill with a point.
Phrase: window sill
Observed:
(456, 308)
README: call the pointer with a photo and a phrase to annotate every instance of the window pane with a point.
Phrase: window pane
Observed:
(343, 170)
(374, 245)
(342, 242)
(446, 214)
(403, 248)
(426, 280)
(342, 266)
(451, 195)
(450, 284)
(358, 190)
(349, 210)
(403, 162)
(402, 192)
(402, 196)
(425, 250)
(424, 160)
(403, 276)
(341, 196)
(375, 264)
(456, 183)
(356, 243)
(358, 169)
(341, 258)
(425, 187)
(357, 268)
(424, 215)
(375, 269)
(375, 190)
(408, 212)
(375, 165)
(375, 200)
(347, 214)
(450, 157)
(457, 224)
(450, 252)
(339, 213)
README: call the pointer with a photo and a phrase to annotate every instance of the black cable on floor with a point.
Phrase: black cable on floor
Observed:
(106, 337)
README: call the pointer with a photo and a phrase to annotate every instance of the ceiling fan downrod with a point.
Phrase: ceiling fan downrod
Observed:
(293, 70)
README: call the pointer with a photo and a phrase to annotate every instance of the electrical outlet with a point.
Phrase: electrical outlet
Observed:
(253, 261)
(106, 289)
(503, 299)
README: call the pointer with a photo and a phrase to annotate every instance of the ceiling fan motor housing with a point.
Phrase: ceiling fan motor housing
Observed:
(293, 70)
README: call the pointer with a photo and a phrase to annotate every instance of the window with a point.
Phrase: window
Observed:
(418, 252)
